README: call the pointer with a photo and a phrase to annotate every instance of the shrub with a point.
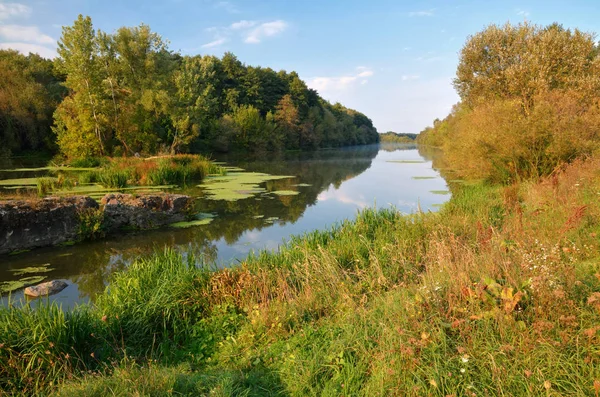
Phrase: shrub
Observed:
(87, 162)
(500, 142)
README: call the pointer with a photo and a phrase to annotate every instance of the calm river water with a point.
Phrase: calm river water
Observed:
(332, 184)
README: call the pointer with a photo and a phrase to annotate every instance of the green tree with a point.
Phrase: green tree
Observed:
(79, 123)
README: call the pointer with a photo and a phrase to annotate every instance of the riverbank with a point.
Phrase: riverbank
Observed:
(498, 293)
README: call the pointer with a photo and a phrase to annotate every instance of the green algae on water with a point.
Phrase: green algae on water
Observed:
(417, 178)
(237, 185)
(32, 269)
(442, 192)
(285, 192)
(186, 224)
(19, 182)
(10, 286)
(201, 218)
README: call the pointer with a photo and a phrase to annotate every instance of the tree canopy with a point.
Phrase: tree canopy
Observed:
(126, 92)
(529, 103)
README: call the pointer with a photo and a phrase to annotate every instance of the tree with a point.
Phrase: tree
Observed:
(288, 121)
(522, 61)
(79, 118)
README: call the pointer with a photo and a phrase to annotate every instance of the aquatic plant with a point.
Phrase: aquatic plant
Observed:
(113, 178)
(46, 185)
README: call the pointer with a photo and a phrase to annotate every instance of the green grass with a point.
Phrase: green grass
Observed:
(493, 295)
(45, 185)
(113, 178)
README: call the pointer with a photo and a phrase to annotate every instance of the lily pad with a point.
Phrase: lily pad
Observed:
(417, 178)
(237, 185)
(19, 182)
(10, 286)
(202, 218)
(258, 216)
(442, 192)
(32, 269)
(49, 169)
(197, 222)
(302, 185)
(285, 192)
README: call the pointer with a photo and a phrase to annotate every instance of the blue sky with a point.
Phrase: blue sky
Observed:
(392, 60)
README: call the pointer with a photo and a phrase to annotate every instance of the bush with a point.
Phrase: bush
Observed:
(499, 142)
(87, 162)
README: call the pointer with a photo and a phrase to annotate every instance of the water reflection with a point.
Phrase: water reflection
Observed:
(333, 185)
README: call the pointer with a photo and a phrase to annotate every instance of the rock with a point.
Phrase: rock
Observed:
(48, 288)
(26, 224)
(144, 212)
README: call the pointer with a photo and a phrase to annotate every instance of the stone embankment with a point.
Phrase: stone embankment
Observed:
(27, 224)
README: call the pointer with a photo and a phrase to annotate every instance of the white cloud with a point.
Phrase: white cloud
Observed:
(422, 13)
(242, 25)
(410, 77)
(25, 33)
(407, 49)
(215, 43)
(340, 83)
(26, 48)
(522, 13)
(12, 10)
(267, 29)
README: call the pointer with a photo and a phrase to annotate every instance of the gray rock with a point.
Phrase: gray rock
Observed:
(26, 224)
(144, 212)
(48, 288)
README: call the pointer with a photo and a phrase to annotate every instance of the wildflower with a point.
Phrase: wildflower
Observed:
(462, 370)
(465, 358)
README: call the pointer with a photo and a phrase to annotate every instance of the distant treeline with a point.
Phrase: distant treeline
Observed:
(126, 93)
(529, 103)
(397, 137)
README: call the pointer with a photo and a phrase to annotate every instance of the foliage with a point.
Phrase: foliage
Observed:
(394, 137)
(529, 103)
(523, 61)
(91, 224)
(30, 87)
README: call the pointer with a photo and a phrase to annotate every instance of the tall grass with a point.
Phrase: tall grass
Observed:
(114, 178)
(171, 170)
(495, 295)
(45, 185)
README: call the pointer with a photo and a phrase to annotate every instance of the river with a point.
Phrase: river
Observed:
(332, 185)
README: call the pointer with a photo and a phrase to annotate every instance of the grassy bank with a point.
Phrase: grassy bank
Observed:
(95, 176)
(497, 294)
